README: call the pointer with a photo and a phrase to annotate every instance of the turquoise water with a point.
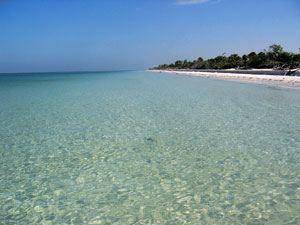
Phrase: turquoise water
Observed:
(147, 148)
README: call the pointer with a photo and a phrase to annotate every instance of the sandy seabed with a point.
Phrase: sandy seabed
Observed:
(272, 80)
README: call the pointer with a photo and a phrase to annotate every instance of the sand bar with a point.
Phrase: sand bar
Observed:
(272, 80)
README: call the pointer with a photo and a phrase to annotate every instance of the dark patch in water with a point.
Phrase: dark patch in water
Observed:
(199, 159)
(80, 202)
(275, 88)
(150, 139)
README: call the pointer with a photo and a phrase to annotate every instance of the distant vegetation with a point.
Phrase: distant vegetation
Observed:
(274, 57)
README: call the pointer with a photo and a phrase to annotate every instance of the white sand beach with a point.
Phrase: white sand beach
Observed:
(272, 80)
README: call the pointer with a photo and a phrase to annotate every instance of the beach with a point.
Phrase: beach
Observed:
(272, 80)
(133, 147)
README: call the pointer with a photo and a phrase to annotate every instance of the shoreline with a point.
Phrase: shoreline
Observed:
(292, 82)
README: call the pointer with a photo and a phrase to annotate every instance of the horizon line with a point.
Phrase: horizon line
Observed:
(72, 71)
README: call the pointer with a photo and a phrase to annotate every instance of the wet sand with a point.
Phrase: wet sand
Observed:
(272, 80)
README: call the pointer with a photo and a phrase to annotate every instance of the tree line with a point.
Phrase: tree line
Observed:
(274, 58)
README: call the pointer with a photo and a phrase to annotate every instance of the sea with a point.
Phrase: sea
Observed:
(136, 147)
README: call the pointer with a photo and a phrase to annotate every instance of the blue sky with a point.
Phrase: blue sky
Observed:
(72, 35)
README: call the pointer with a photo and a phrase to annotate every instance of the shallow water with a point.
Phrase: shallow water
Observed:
(147, 148)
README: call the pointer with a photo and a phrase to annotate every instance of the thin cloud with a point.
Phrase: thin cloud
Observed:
(191, 2)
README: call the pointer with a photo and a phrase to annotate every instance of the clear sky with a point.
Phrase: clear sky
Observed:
(72, 35)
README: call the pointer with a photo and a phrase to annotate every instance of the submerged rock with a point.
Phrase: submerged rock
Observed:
(150, 139)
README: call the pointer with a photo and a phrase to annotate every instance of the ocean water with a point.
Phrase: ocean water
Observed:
(147, 148)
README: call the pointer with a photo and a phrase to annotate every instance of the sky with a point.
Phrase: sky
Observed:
(93, 35)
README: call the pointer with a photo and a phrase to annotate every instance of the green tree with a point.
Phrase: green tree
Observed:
(274, 52)
(254, 60)
(277, 49)
(296, 58)
(245, 60)
(285, 57)
(274, 57)
(234, 60)
(178, 64)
